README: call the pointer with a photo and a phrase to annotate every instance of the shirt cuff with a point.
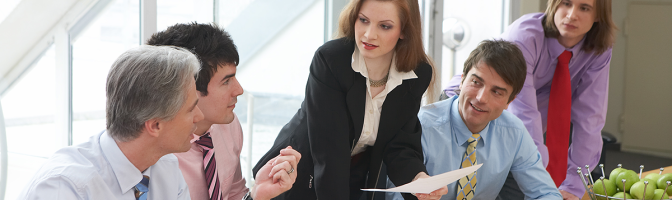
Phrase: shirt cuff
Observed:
(573, 185)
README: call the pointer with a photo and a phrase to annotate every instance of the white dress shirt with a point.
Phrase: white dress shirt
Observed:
(97, 169)
(374, 106)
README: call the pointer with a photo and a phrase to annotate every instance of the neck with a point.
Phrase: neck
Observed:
(378, 67)
(202, 127)
(569, 42)
(140, 152)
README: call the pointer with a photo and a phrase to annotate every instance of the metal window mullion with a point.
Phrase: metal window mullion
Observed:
(63, 115)
(332, 10)
(148, 17)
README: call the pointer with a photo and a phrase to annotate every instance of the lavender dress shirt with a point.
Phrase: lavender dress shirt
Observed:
(227, 140)
(590, 84)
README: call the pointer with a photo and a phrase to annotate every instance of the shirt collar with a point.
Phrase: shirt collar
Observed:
(395, 78)
(126, 173)
(555, 48)
(462, 133)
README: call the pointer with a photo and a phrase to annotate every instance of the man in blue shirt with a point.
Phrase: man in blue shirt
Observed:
(494, 74)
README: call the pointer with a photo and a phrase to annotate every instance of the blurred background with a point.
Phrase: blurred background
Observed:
(55, 55)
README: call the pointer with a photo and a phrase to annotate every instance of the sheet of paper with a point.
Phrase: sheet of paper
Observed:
(428, 185)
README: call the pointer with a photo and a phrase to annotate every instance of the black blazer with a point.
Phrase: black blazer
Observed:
(330, 121)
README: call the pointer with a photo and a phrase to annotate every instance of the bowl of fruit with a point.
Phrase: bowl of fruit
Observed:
(627, 184)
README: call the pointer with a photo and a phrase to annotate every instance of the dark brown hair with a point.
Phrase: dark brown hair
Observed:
(212, 45)
(600, 37)
(409, 51)
(502, 56)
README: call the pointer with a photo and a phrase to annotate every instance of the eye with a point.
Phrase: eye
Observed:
(226, 82)
(386, 27)
(363, 20)
(475, 82)
(565, 3)
(585, 9)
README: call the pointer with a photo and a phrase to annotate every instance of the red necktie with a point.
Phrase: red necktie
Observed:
(558, 120)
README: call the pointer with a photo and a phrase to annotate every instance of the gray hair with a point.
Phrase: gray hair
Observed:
(147, 82)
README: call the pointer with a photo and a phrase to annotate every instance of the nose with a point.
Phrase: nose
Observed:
(370, 32)
(198, 115)
(483, 96)
(238, 90)
(570, 14)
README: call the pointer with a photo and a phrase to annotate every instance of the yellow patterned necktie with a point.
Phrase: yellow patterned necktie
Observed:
(467, 184)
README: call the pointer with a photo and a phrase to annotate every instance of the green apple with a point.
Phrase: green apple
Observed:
(630, 177)
(637, 190)
(599, 188)
(619, 195)
(614, 173)
(658, 193)
(652, 178)
(662, 182)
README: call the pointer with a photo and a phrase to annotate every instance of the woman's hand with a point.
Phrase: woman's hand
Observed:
(435, 195)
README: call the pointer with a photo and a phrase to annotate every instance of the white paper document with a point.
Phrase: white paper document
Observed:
(428, 185)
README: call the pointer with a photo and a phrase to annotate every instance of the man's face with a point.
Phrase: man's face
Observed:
(178, 132)
(483, 97)
(574, 18)
(223, 90)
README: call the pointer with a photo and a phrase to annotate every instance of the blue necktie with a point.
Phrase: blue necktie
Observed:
(142, 188)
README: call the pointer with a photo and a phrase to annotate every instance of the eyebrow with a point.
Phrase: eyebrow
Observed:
(496, 87)
(388, 20)
(228, 77)
(193, 106)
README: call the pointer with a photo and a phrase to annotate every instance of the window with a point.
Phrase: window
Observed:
(116, 30)
(171, 12)
(29, 116)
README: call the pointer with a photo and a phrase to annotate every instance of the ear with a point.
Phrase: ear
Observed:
(401, 37)
(153, 127)
(460, 86)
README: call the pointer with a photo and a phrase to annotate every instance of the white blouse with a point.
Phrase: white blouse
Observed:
(374, 105)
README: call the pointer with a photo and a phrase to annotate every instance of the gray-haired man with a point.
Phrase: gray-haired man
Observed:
(151, 113)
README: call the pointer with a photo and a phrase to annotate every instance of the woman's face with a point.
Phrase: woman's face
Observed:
(377, 29)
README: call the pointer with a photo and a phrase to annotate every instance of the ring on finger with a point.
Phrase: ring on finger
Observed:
(291, 171)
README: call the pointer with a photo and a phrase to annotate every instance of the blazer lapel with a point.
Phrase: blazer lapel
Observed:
(356, 100)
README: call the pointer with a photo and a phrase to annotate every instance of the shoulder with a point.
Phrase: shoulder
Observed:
(511, 122)
(78, 166)
(337, 48)
(435, 114)
(527, 31)
(423, 71)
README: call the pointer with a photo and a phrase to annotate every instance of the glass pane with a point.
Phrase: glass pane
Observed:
(114, 31)
(230, 9)
(276, 71)
(480, 20)
(6, 7)
(171, 12)
(28, 108)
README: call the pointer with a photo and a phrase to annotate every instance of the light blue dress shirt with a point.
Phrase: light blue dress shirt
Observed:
(97, 169)
(504, 146)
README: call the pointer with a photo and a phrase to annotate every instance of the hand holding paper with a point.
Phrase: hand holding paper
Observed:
(428, 185)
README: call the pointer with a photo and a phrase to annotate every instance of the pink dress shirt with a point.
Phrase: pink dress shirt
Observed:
(227, 140)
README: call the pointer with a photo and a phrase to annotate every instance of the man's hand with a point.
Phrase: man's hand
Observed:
(435, 195)
(277, 176)
(568, 196)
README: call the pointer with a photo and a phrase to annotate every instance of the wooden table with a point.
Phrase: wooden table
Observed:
(668, 169)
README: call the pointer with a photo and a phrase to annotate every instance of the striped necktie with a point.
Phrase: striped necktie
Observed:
(142, 188)
(467, 184)
(210, 166)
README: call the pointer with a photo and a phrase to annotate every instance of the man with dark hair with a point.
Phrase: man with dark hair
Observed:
(151, 113)
(211, 167)
(473, 128)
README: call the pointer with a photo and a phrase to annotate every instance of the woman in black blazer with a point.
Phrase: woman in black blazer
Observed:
(359, 116)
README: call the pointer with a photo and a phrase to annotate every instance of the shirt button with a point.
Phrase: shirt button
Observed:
(367, 133)
(371, 111)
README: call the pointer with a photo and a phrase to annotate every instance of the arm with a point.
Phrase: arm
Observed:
(453, 86)
(54, 187)
(533, 179)
(328, 127)
(277, 175)
(589, 111)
